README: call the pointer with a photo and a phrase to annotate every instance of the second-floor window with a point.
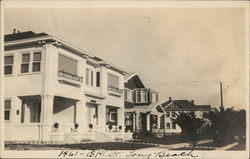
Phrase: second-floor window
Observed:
(113, 81)
(98, 79)
(8, 65)
(25, 63)
(128, 95)
(31, 62)
(138, 97)
(68, 65)
(87, 76)
(36, 65)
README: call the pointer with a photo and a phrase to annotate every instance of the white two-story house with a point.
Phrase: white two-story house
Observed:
(56, 91)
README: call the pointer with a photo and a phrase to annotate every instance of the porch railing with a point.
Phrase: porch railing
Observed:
(114, 89)
(69, 76)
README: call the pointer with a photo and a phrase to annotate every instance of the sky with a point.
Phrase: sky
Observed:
(182, 53)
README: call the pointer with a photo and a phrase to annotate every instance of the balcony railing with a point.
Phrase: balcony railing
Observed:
(114, 89)
(69, 76)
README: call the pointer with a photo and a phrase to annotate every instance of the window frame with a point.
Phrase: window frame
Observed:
(12, 65)
(31, 61)
(35, 62)
(7, 99)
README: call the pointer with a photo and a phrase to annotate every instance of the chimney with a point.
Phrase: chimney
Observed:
(192, 101)
(14, 31)
(170, 99)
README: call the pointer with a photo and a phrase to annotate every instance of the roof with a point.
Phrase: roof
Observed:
(23, 35)
(29, 37)
(184, 105)
(143, 108)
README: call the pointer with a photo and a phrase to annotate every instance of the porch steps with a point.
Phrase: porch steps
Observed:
(100, 137)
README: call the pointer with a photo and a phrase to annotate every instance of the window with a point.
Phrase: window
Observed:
(167, 114)
(111, 115)
(36, 66)
(138, 97)
(125, 94)
(173, 114)
(154, 97)
(66, 64)
(8, 65)
(173, 126)
(128, 119)
(92, 78)
(7, 106)
(144, 96)
(113, 81)
(97, 79)
(25, 63)
(168, 126)
(128, 95)
(87, 76)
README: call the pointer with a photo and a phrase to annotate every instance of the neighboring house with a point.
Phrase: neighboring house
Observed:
(142, 112)
(56, 91)
(173, 107)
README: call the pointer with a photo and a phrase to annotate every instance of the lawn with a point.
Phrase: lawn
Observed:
(82, 146)
(172, 139)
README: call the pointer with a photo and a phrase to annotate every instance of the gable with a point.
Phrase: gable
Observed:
(134, 82)
(173, 105)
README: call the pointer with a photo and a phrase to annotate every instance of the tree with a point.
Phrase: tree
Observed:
(191, 126)
(227, 123)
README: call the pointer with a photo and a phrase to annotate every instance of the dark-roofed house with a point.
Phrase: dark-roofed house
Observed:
(173, 107)
(142, 111)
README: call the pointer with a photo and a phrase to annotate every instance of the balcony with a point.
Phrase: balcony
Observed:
(70, 79)
(115, 91)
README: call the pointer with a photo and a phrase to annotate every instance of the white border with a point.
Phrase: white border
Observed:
(124, 4)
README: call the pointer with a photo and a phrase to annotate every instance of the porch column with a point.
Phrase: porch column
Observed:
(120, 114)
(148, 122)
(81, 115)
(158, 121)
(137, 127)
(102, 117)
(47, 116)
(134, 121)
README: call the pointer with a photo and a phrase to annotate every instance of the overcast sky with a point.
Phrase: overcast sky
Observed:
(180, 52)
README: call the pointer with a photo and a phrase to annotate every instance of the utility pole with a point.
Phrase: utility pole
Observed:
(221, 94)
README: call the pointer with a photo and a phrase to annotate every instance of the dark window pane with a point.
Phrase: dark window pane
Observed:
(67, 64)
(25, 58)
(8, 70)
(37, 56)
(6, 115)
(97, 79)
(24, 68)
(8, 60)
(113, 81)
(7, 104)
(36, 67)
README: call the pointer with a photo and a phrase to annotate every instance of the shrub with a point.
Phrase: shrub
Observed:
(91, 126)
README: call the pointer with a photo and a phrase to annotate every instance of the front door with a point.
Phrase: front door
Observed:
(92, 114)
(144, 121)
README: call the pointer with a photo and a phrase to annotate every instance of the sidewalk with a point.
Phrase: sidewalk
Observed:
(175, 146)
